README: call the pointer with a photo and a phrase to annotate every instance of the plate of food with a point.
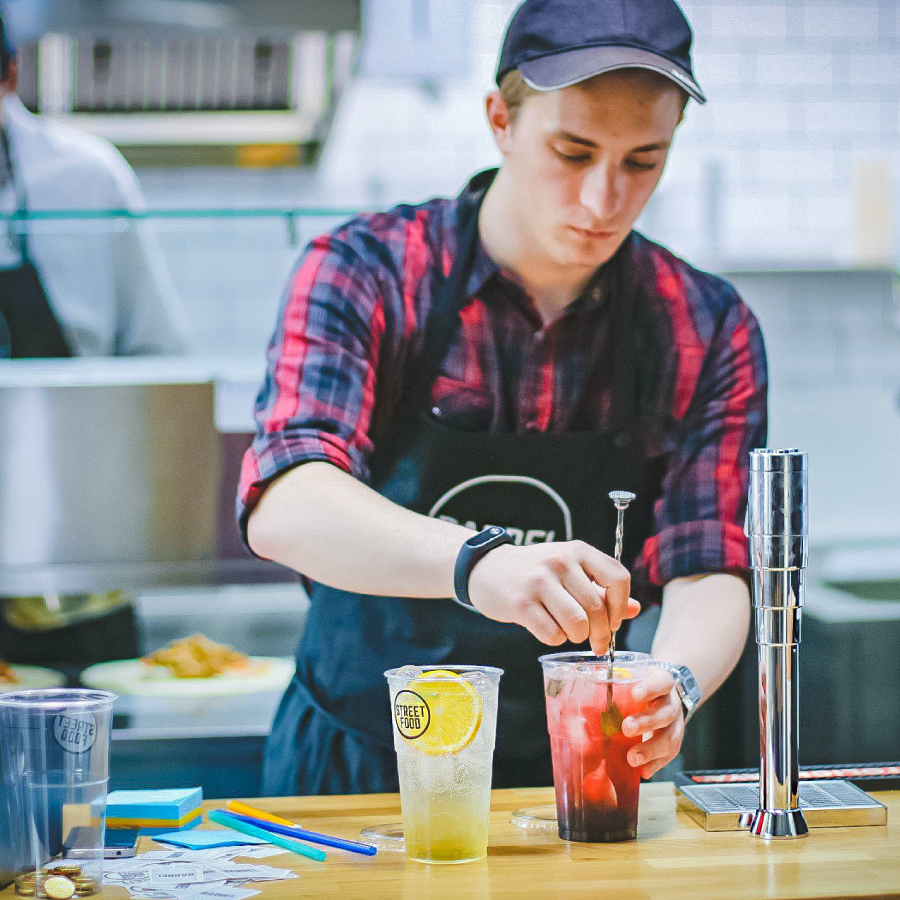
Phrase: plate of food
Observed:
(192, 667)
(14, 677)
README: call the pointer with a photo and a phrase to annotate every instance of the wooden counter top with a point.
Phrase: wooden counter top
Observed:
(673, 857)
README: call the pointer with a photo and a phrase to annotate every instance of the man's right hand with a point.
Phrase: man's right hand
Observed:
(558, 591)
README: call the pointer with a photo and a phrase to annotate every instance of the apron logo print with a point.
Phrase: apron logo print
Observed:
(412, 715)
(75, 731)
(510, 501)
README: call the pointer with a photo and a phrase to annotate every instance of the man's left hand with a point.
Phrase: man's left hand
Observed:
(662, 718)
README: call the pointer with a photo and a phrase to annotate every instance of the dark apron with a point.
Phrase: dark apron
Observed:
(332, 732)
(28, 326)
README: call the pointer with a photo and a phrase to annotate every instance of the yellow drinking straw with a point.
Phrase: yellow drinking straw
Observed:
(244, 809)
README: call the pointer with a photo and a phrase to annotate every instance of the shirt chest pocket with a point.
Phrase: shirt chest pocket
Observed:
(460, 405)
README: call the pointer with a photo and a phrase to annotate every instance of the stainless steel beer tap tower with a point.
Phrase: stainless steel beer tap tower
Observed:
(777, 526)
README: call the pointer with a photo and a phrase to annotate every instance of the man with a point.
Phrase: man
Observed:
(80, 289)
(508, 358)
(73, 290)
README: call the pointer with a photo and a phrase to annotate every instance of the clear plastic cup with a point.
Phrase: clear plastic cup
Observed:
(445, 726)
(596, 787)
(55, 746)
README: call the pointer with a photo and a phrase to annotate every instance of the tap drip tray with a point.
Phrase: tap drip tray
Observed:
(825, 804)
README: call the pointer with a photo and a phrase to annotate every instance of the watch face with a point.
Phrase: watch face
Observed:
(484, 537)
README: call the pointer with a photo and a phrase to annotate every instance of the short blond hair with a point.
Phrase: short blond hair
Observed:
(515, 90)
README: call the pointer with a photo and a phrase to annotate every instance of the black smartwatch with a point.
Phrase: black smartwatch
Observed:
(469, 554)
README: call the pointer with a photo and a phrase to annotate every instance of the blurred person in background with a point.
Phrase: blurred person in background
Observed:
(100, 291)
(523, 334)
(97, 291)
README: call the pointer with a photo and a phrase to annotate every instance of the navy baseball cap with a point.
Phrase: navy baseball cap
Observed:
(556, 43)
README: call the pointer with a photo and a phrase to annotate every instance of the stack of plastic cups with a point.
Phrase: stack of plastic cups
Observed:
(55, 746)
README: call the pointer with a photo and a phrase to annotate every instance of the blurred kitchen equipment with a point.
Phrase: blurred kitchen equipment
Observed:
(235, 78)
(113, 476)
(874, 212)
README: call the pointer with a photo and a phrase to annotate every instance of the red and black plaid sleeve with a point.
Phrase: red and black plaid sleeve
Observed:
(319, 391)
(719, 415)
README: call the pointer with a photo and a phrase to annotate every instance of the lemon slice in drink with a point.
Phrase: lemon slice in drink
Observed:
(455, 708)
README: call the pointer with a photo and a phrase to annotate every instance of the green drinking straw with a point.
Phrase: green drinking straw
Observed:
(222, 818)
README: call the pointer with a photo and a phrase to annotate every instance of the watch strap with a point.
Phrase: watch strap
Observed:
(473, 550)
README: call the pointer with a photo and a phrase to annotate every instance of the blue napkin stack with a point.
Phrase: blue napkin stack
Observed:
(155, 811)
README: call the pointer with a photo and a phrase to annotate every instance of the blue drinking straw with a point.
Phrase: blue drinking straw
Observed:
(312, 836)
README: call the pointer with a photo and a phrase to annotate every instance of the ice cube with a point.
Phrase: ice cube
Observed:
(436, 773)
(408, 672)
(579, 739)
(598, 789)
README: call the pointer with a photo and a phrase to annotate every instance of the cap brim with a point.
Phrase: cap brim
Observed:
(559, 70)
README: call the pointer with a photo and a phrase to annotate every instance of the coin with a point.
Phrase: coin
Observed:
(67, 869)
(58, 887)
(84, 881)
(25, 888)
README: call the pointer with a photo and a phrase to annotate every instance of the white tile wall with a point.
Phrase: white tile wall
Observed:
(793, 69)
(794, 87)
(848, 20)
(802, 92)
(836, 117)
(871, 68)
(746, 20)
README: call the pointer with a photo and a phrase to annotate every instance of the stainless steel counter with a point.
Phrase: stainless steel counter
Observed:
(121, 473)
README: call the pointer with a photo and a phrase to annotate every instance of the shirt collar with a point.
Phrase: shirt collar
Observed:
(484, 267)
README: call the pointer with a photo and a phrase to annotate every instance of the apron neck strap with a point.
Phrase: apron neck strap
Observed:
(440, 330)
(21, 237)
(627, 286)
(443, 319)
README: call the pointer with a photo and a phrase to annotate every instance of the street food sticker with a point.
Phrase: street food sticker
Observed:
(75, 732)
(412, 715)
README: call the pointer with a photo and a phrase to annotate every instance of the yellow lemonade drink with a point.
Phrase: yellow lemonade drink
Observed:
(445, 724)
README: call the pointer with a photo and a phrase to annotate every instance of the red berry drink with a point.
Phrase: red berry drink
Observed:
(596, 787)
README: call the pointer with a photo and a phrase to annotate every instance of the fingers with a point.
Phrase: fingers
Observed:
(631, 610)
(658, 683)
(582, 591)
(662, 722)
(609, 574)
(662, 748)
(659, 714)
(568, 612)
(590, 598)
(543, 626)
